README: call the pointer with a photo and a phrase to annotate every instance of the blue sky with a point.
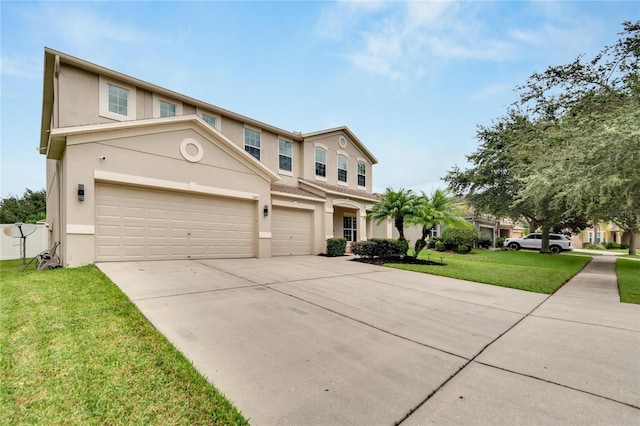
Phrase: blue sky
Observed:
(411, 79)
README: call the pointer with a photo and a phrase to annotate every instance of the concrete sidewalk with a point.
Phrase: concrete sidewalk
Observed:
(574, 360)
(313, 340)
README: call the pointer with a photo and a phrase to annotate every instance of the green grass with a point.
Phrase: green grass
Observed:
(523, 270)
(628, 272)
(75, 350)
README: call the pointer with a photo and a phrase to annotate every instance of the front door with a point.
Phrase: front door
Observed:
(350, 228)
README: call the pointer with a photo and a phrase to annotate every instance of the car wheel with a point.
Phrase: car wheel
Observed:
(555, 249)
(514, 246)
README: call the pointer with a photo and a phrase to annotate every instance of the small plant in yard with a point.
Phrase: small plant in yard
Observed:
(462, 249)
(75, 350)
(461, 235)
(336, 246)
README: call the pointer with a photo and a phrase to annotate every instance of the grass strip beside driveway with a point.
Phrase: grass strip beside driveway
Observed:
(628, 272)
(523, 270)
(75, 350)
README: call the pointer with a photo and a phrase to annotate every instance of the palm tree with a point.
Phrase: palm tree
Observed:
(439, 209)
(394, 205)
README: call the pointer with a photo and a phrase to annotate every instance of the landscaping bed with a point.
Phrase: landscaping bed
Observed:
(406, 260)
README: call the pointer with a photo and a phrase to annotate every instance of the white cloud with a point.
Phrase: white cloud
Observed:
(400, 40)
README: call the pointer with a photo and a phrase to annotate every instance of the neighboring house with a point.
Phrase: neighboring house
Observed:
(138, 172)
(602, 234)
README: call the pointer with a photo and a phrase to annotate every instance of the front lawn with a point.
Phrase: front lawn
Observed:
(523, 270)
(628, 272)
(75, 350)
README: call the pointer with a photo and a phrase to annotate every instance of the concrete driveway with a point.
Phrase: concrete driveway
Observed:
(315, 340)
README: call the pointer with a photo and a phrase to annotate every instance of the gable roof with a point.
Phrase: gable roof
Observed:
(53, 59)
(348, 132)
(58, 139)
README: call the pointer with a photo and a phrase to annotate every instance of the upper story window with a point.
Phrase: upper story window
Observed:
(342, 168)
(211, 120)
(321, 162)
(285, 155)
(252, 142)
(116, 100)
(167, 109)
(362, 173)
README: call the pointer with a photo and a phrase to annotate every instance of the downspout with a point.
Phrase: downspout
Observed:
(55, 122)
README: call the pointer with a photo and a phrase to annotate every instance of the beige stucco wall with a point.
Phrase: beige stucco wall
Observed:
(353, 154)
(78, 97)
(150, 153)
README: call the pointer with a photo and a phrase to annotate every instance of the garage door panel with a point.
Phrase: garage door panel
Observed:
(134, 224)
(291, 231)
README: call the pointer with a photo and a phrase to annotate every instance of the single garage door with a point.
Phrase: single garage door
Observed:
(140, 223)
(291, 231)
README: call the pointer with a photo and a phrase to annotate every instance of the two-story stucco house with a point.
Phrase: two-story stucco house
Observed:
(138, 172)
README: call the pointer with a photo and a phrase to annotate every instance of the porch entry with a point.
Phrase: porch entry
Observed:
(350, 227)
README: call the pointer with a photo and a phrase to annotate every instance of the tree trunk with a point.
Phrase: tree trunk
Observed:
(400, 227)
(632, 242)
(422, 242)
(545, 240)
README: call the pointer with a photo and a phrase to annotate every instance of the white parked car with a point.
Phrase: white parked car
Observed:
(557, 242)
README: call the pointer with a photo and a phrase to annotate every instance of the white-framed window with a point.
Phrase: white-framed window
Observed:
(285, 155)
(342, 168)
(252, 142)
(167, 109)
(596, 237)
(208, 117)
(362, 174)
(321, 162)
(350, 228)
(210, 120)
(117, 100)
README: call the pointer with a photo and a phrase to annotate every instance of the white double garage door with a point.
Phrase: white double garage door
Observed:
(145, 224)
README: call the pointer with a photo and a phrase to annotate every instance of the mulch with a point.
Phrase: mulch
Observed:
(396, 259)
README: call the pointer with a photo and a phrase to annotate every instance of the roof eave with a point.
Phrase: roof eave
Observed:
(97, 69)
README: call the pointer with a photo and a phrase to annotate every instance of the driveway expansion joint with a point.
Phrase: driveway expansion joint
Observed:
(557, 384)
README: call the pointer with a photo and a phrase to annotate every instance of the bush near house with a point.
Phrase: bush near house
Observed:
(460, 236)
(380, 247)
(485, 242)
(336, 246)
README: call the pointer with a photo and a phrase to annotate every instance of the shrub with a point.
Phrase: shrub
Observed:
(485, 242)
(624, 246)
(380, 247)
(591, 246)
(500, 242)
(390, 246)
(440, 246)
(463, 249)
(431, 243)
(461, 235)
(613, 246)
(336, 246)
(364, 248)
